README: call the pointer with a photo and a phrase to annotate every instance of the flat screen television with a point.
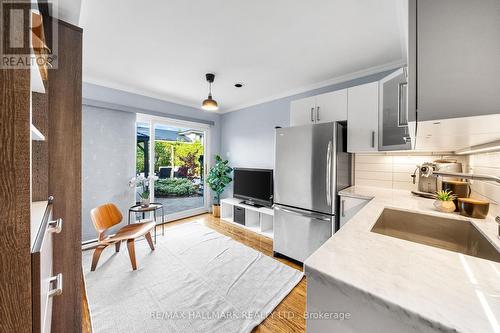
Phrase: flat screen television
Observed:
(255, 186)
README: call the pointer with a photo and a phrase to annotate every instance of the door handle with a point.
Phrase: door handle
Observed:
(317, 113)
(342, 207)
(56, 225)
(312, 115)
(402, 119)
(373, 139)
(58, 279)
(329, 174)
(303, 214)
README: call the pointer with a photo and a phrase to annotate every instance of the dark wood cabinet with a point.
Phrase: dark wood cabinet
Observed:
(30, 274)
(65, 122)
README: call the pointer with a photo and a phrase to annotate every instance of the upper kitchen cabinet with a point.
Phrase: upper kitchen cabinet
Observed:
(302, 111)
(331, 106)
(319, 109)
(454, 47)
(394, 133)
(362, 118)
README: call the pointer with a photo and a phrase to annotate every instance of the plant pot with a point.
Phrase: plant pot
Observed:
(216, 210)
(145, 202)
(445, 206)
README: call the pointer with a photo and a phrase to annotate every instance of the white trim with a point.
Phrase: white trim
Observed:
(143, 92)
(141, 117)
(391, 76)
(167, 98)
(338, 79)
(201, 127)
(185, 214)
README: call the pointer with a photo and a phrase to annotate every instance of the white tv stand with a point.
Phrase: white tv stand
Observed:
(257, 219)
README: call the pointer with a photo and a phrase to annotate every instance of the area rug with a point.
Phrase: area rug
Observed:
(197, 280)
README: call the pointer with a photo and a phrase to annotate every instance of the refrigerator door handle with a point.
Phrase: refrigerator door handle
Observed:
(329, 174)
(304, 214)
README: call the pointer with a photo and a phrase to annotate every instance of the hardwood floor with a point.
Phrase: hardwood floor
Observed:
(288, 316)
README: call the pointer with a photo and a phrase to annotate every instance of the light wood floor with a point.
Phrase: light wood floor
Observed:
(287, 317)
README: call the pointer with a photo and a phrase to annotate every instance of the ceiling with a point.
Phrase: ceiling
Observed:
(277, 48)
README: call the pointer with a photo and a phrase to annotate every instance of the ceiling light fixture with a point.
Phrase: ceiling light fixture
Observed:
(210, 104)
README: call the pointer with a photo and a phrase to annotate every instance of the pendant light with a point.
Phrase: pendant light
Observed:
(210, 104)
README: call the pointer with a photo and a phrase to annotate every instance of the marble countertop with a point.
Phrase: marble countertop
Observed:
(448, 291)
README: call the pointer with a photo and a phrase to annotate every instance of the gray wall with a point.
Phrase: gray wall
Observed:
(247, 135)
(108, 144)
(125, 101)
(108, 162)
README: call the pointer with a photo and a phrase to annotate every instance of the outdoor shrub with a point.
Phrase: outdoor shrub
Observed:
(174, 187)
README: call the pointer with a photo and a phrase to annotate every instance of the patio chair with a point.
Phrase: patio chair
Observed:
(107, 216)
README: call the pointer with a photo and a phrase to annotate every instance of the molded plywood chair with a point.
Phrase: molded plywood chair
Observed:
(108, 215)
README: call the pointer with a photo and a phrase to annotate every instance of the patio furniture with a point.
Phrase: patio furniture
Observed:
(153, 207)
(165, 172)
(107, 216)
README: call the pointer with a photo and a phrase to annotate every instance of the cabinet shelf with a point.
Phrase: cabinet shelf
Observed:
(36, 135)
(257, 219)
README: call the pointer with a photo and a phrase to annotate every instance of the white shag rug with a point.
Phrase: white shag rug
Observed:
(196, 280)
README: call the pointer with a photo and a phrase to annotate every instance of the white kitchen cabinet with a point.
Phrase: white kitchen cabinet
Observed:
(302, 111)
(331, 106)
(349, 207)
(362, 118)
(318, 109)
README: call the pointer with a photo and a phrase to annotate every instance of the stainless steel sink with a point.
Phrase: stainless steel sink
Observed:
(449, 234)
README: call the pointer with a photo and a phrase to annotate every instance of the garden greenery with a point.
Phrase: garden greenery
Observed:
(163, 155)
(174, 187)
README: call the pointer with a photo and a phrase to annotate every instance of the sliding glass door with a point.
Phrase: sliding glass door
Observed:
(173, 155)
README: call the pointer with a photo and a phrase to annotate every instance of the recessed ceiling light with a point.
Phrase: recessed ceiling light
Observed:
(238, 84)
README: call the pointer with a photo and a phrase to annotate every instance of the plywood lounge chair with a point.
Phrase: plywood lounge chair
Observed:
(108, 215)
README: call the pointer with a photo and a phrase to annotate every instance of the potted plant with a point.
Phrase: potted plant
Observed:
(143, 183)
(444, 201)
(218, 178)
(145, 198)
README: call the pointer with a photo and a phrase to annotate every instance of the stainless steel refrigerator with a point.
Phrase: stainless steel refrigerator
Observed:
(311, 166)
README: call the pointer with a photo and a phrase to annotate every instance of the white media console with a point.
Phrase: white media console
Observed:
(257, 219)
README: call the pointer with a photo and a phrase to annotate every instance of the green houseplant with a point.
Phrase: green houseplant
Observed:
(218, 178)
(444, 201)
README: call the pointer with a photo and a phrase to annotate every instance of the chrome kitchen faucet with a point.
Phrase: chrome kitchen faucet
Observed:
(467, 176)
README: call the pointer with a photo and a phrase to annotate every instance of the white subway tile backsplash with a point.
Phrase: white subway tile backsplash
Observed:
(485, 170)
(489, 164)
(394, 170)
(402, 177)
(404, 168)
(404, 186)
(374, 175)
(387, 167)
(373, 158)
(389, 170)
(374, 183)
(412, 160)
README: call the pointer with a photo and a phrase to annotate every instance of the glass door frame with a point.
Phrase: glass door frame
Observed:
(152, 121)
